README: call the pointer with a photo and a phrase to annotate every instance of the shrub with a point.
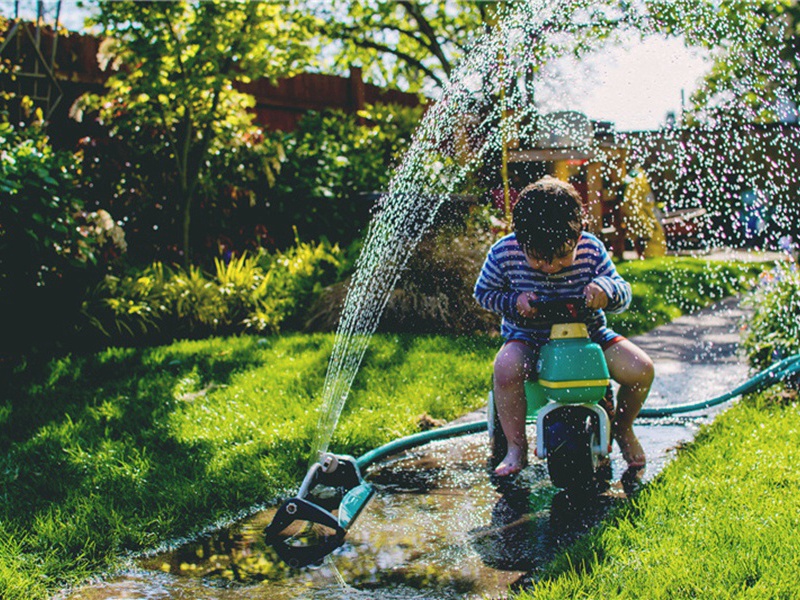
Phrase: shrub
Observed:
(131, 181)
(257, 187)
(298, 276)
(434, 293)
(45, 245)
(331, 159)
(774, 330)
(263, 293)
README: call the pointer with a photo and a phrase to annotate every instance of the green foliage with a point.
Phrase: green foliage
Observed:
(39, 231)
(45, 244)
(434, 36)
(173, 103)
(774, 331)
(417, 45)
(434, 294)
(756, 59)
(718, 522)
(262, 293)
(330, 159)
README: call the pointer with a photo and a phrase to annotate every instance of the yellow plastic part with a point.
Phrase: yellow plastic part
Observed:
(563, 331)
(558, 385)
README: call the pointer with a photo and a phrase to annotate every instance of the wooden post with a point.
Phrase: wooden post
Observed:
(357, 92)
(619, 191)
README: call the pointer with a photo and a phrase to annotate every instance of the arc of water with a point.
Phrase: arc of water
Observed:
(441, 156)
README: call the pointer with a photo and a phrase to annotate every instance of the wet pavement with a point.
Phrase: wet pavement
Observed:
(437, 527)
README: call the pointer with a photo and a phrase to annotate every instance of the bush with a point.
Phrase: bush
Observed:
(45, 244)
(131, 181)
(331, 159)
(774, 331)
(257, 187)
(262, 294)
(434, 293)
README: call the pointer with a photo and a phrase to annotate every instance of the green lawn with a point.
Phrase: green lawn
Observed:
(720, 521)
(120, 450)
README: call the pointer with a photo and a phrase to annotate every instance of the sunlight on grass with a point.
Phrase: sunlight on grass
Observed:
(115, 452)
(666, 288)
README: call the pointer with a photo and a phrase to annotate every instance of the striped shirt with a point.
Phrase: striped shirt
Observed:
(506, 274)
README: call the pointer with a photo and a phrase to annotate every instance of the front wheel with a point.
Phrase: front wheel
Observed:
(569, 437)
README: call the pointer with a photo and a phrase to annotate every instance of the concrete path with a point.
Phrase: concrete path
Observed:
(697, 356)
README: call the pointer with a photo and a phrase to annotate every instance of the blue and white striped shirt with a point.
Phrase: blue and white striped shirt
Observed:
(506, 274)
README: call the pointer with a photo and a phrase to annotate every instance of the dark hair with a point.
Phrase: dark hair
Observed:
(548, 218)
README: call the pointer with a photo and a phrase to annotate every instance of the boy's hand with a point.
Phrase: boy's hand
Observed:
(595, 296)
(525, 304)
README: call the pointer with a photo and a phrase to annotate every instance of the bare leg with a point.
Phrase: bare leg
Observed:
(511, 366)
(630, 366)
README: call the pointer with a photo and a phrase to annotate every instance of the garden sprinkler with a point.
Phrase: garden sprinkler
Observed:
(333, 480)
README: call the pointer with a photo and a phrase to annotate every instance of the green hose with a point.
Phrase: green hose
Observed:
(418, 439)
(773, 374)
(769, 376)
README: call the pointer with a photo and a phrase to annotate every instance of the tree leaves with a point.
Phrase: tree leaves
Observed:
(174, 97)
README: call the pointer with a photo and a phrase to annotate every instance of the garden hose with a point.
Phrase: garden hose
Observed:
(769, 376)
(780, 371)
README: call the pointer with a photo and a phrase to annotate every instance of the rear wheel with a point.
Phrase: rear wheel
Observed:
(570, 434)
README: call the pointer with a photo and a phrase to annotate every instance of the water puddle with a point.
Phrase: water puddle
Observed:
(436, 528)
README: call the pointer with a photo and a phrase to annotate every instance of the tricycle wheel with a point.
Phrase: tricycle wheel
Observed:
(571, 463)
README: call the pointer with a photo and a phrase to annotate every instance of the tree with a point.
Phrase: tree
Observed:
(412, 45)
(173, 95)
(755, 43)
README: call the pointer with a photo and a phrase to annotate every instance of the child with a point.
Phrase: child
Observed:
(550, 256)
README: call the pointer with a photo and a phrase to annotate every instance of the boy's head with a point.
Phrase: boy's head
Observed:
(548, 219)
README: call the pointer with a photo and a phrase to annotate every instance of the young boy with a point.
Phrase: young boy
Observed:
(550, 256)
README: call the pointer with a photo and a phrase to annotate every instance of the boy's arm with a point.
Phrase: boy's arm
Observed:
(616, 288)
(492, 290)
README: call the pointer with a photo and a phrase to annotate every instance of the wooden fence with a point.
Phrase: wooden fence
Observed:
(77, 71)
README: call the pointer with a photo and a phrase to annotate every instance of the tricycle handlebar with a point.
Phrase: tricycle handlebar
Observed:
(565, 309)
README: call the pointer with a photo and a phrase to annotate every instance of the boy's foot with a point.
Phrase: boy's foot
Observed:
(514, 461)
(631, 448)
(632, 480)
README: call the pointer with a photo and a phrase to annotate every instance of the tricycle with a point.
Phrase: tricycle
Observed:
(570, 399)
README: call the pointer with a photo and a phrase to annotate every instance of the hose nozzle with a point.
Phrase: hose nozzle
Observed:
(329, 462)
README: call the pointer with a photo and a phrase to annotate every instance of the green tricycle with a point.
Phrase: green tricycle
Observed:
(569, 398)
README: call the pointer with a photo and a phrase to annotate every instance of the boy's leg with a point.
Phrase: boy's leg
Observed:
(512, 365)
(630, 366)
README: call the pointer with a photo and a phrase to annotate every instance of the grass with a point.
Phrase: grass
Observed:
(665, 288)
(720, 521)
(116, 452)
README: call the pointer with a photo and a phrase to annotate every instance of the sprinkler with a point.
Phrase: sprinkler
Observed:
(334, 482)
